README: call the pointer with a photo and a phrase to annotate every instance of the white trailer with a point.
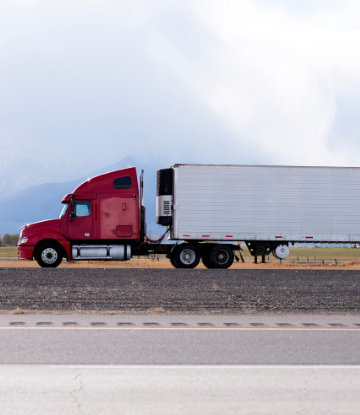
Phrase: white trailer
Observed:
(267, 207)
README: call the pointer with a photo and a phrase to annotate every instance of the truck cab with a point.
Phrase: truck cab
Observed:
(100, 219)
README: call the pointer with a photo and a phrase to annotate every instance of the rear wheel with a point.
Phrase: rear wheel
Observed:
(173, 263)
(49, 255)
(221, 256)
(186, 256)
(205, 261)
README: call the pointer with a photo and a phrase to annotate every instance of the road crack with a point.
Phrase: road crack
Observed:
(75, 393)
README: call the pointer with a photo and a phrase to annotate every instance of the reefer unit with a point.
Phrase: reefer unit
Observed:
(260, 203)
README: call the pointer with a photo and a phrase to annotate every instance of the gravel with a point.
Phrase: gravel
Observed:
(139, 290)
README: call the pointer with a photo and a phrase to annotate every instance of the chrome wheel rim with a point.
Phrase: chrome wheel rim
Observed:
(221, 256)
(187, 256)
(49, 255)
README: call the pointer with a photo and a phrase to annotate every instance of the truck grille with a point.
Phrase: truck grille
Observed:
(166, 207)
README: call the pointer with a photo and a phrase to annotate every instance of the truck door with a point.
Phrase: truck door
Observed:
(80, 226)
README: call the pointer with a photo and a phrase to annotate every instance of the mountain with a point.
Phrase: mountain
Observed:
(43, 201)
(22, 167)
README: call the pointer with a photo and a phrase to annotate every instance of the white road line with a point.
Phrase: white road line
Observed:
(186, 328)
(204, 366)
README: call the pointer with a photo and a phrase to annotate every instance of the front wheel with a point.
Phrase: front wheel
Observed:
(186, 256)
(49, 255)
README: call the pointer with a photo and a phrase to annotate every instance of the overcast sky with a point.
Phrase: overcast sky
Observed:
(227, 81)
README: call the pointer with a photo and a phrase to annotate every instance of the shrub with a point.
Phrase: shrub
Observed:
(8, 239)
(14, 239)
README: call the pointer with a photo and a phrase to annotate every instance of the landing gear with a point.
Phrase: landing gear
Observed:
(263, 249)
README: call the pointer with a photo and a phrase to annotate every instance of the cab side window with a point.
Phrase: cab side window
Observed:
(82, 209)
(122, 183)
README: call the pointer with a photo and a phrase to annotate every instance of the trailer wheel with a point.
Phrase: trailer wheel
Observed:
(206, 262)
(172, 257)
(49, 255)
(221, 256)
(186, 256)
(173, 263)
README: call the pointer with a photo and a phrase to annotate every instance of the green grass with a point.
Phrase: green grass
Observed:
(8, 252)
(316, 254)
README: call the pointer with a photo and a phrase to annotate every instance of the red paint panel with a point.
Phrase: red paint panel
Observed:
(278, 236)
(124, 231)
(186, 235)
(105, 183)
(309, 237)
(112, 215)
(228, 236)
(205, 236)
(25, 252)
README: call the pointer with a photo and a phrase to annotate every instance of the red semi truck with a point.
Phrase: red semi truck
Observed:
(206, 209)
(104, 219)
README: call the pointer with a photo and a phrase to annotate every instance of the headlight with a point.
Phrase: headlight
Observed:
(23, 240)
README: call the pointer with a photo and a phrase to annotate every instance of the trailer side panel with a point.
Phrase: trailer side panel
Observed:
(214, 202)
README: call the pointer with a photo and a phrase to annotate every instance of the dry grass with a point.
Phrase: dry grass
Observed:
(348, 258)
(157, 310)
(8, 252)
(18, 311)
(165, 264)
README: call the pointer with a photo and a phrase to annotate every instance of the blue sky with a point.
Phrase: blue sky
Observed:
(85, 83)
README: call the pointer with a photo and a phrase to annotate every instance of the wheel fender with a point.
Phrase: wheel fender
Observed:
(38, 239)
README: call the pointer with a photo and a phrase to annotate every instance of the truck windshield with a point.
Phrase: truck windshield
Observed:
(63, 210)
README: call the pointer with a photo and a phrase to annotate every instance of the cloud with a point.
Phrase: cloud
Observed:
(274, 77)
(78, 81)
(89, 82)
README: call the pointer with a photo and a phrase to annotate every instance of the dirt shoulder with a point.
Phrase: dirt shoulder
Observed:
(173, 290)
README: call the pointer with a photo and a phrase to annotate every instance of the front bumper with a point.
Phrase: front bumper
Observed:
(25, 252)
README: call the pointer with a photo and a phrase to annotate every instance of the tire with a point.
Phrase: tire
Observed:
(221, 256)
(186, 256)
(205, 261)
(173, 263)
(49, 255)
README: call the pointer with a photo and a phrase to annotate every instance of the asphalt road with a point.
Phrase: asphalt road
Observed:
(179, 364)
(180, 342)
(179, 390)
(138, 290)
(181, 339)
